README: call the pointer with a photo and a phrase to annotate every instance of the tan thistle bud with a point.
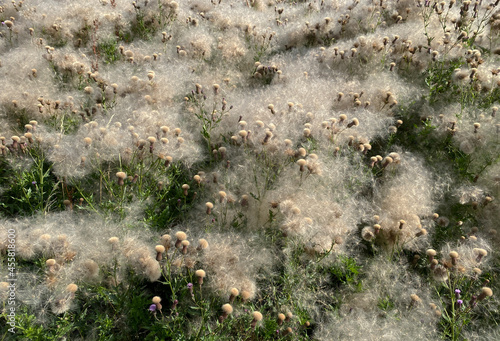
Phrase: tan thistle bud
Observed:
(243, 134)
(181, 236)
(185, 189)
(29, 136)
(257, 316)
(227, 309)
(281, 318)
(185, 244)
(480, 254)
(121, 178)
(354, 122)
(377, 228)
(485, 292)
(222, 196)
(244, 200)
(476, 127)
(160, 249)
(245, 295)
(301, 163)
(50, 262)
(233, 294)
(421, 233)
(216, 88)
(72, 288)
(201, 275)
(202, 244)
(287, 331)
(434, 263)
(113, 241)
(415, 299)
(387, 161)
(431, 253)
(164, 130)
(168, 161)
(487, 200)
(87, 141)
(454, 257)
(209, 207)
(156, 301)
(271, 107)
(301, 152)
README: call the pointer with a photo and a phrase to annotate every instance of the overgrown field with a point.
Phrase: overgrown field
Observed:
(249, 170)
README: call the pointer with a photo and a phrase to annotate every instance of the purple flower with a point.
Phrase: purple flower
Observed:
(152, 308)
(457, 293)
(190, 285)
(33, 182)
(459, 303)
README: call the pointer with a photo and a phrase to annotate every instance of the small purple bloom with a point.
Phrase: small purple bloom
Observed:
(190, 285)
(152, 308)
(33, 182)
(459, 303)
(457, 293)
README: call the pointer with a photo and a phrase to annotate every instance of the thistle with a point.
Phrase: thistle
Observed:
(257, 316)
(485, 292)
(160, 249)
(181, 236)
(201, 275)
(209, 207)
(72, 288)
(185, 244)
(227, 310)
(202, 244)
(121, 178)
(185, 189)
(234, 293)
(281, 318)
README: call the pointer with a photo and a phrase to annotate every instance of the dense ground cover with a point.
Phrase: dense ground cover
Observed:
(249, 170)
